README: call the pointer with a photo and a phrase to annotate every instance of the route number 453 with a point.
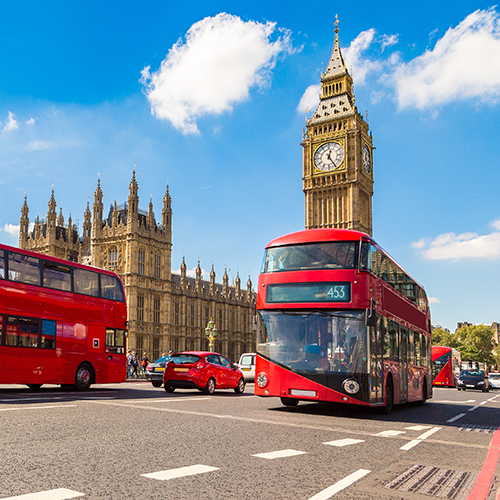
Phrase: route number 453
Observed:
(337, 292)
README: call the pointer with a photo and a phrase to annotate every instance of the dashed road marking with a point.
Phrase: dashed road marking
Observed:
(191, 470)
(418, 427)
(344, 442)
(59, 494)
(414, 442)
(24, 408)
(455, 418)
(279, 454)
(389, 433)
(340, 485)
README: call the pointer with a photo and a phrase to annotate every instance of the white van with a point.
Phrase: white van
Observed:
(247, 365)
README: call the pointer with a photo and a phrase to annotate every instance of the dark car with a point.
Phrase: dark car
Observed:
(202, 370)
(473, 379)
(154, 371)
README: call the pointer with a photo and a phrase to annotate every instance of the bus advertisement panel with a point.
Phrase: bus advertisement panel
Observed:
(446, 366)
(338, 320)
(60, 322)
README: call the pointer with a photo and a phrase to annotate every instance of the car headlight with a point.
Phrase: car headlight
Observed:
(262, 380)
(351, 386)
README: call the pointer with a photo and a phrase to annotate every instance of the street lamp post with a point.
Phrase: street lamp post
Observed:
(211, 333)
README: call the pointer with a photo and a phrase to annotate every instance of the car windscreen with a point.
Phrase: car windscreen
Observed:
(163, 359)
(471, 373)
(185, 359)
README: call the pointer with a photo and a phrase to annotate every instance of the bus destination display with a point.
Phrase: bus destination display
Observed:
(309, 292)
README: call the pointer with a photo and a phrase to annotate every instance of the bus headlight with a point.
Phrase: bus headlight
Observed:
(351, 386)
(262, 380)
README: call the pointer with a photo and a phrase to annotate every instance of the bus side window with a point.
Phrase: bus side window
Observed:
(24, 269)
(48, 337)
(57, 276)
(2, 265)
(85, 282)
(111, 288)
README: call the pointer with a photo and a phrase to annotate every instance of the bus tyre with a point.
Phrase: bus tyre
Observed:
(156, 383)
(34, 387)
(241, 386)
(289, 401)
(210, 387)
(389, 397)
(424, 394)
(83, 377)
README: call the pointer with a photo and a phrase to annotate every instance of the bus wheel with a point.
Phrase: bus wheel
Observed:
(156, 383)
(34, 387)
(424, 394)
(289, 401)
(389, 397)
(83, 377)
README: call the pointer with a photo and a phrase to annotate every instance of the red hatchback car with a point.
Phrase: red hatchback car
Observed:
(204, 371)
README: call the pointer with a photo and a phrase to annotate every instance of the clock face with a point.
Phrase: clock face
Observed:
(367, 162)
(329, 156)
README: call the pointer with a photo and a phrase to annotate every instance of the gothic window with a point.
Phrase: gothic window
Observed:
(192, 315)
(140, 307)
(156, 347)
(113, 256)
(157, 265)
(142, 262)
(156, 310)
(176, 312)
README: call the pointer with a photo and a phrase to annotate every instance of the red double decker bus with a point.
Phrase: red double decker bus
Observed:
(60, 322)
(339, 320)
(446, 366)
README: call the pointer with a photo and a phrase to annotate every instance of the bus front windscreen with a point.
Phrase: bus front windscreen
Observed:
(327, 255)
(314, 341)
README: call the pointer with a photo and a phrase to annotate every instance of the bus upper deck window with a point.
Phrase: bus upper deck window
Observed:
(24, 269)
(2, 265)
(86, 282)
(111, 288)
(56, 276)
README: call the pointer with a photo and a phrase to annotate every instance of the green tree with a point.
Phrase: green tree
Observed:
(476, 343)
(444, 338)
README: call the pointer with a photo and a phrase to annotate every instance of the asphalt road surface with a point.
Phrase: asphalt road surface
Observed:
(134, 441)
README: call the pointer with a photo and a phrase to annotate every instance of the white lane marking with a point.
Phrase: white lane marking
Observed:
(460, 415)
(340, 485)
(191, 470)
(165, 400)
(389, 433)
(456, 402)
(59, 494)
(473, 408)
(414, 442)
(418, 427)
(483, 403)
(344, 442)
(279, 454)
(36, 408)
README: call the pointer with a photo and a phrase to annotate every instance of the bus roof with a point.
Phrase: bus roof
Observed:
(54, 259)
(318, 235)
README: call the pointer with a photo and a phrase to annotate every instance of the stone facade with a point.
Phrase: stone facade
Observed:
(337, 155)
(166, 311)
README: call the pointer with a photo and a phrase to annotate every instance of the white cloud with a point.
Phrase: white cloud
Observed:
(359, 66)
(11, 124)
(464, 65)
(310, 99)
(35, 145)
(12, 229)
(389, 41)
(433, 300)
(191, 273)
(222, 58)
(451, 246)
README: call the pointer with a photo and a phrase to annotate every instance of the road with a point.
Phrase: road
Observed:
(135, 441)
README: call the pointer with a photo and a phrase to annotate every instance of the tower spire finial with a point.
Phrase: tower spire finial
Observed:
(336, 23)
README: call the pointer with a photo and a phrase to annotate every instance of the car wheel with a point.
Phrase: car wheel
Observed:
(83, 377)
(169, 388)
(156, 383)
(210, 387)
(289, 401)
(241, 386)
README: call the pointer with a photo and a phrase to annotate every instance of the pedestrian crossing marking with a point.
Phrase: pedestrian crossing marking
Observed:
(344, 442)
(58, 494)
(279, 454)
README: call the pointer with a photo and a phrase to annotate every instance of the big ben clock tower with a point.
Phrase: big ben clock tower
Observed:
(338, 155)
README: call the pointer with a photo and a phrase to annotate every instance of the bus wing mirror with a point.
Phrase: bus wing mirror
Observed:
(371, 319)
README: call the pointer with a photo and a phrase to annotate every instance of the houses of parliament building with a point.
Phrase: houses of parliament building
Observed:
(166, 311)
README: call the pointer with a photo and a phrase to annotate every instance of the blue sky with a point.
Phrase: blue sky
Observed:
(212, 99)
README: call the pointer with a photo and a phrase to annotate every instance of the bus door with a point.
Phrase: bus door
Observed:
(376, 375)
(403, 364)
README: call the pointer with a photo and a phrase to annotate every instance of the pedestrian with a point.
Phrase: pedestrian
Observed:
(145, 362)
(135, 364)
(129, 363)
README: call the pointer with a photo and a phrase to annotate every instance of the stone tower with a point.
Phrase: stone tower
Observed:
(337, 155)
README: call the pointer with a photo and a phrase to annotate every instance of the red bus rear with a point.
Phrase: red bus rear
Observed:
(60, 322)
(446, 366)
(340, 321)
